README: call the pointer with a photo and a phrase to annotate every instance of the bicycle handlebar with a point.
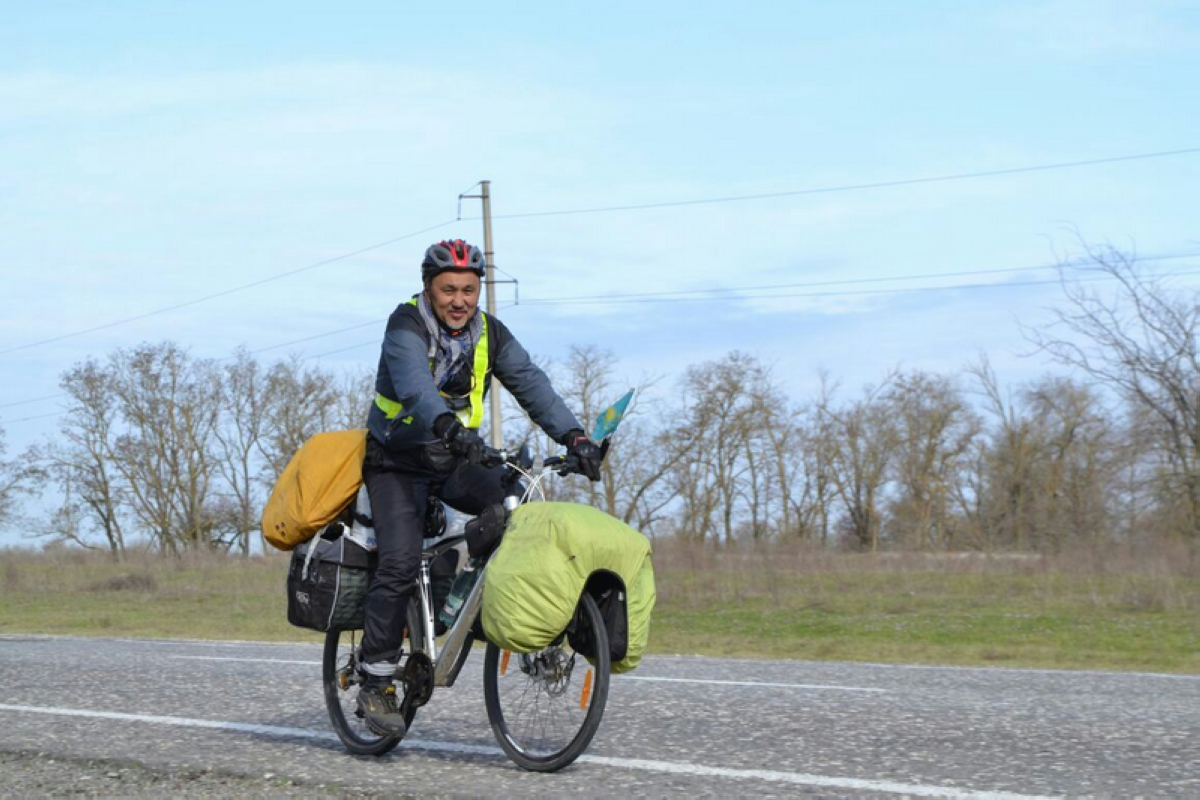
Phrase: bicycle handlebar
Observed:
(563, 465)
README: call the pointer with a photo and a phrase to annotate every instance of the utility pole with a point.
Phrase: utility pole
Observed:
(489, 283)
(497, 435)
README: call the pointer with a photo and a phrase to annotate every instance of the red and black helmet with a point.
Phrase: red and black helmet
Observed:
(452, 254)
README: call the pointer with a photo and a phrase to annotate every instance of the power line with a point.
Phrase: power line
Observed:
(310, 338)
(665, 296)
(912, 290)
(30, 419)
(230, 358)
(344, 349)
(737, 297)
(725, 295)
(33, 400)
(849, 281)
(226, 292)
(670, 295)
(853, 187)
(604, 209)
(251, 352)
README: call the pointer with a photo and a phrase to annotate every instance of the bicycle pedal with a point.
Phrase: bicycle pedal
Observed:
(417, 678)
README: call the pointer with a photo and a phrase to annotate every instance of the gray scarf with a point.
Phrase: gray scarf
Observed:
(447, 352)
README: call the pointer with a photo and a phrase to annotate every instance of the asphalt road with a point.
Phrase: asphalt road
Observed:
(103, 717)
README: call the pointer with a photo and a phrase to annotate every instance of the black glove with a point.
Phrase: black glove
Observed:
(462, 441)
(586, 453)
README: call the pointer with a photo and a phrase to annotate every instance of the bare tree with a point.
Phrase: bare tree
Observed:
(17, 477)
(1044, 475)
(722, 419)
(866, 437)
(806, 451)
(301, 400)
(771, 434)
(242, 424)
(169, 404)
(353, 394)
(588, 382)
(1141, 342)
(934, 431)
(1000, 498)
(633, 483)
(1079, 453)
(93, 491)
(814, 503)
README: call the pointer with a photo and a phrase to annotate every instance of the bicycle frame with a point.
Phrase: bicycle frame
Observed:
(448, 662)
(449, 659)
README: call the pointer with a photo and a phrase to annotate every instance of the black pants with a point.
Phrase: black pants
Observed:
(400, 486)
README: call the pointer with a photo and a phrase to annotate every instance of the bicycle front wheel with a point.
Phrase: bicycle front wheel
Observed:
(342, 681)
(545, 707)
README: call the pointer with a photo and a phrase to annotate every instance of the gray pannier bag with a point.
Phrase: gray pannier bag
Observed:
(327, 581)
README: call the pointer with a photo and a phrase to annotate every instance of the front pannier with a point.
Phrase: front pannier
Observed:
(327, 582)
(551, 554)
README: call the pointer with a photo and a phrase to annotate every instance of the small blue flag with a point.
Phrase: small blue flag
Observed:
(610, 418)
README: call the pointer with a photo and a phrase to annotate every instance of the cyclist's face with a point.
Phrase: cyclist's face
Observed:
(454, 297)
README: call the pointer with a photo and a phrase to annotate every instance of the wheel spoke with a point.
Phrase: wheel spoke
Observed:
(545, 713)
(342, 683)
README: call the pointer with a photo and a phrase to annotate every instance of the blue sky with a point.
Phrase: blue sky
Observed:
(150, 156)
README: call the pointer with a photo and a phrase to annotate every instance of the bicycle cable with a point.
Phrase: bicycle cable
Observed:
(535, 483)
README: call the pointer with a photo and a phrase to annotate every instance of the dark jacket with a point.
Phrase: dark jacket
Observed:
(404, 375)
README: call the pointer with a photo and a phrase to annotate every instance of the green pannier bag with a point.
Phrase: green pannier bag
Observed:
(549, 553)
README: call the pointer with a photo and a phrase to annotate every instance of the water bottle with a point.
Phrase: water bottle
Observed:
(464, 582)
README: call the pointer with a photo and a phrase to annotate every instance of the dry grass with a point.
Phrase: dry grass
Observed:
(199, 595)
(1115, 609)
(1161, 580)
(1118, 609)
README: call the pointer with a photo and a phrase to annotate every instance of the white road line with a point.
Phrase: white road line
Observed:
(816, 686)
(645, 765)
(247, 660)
(57, 637)
(242, 643)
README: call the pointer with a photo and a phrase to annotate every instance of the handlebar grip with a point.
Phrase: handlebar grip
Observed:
(493, 457)
(569, 465)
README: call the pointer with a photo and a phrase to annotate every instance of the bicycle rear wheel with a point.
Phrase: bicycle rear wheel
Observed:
(342, 681)
(545, 707)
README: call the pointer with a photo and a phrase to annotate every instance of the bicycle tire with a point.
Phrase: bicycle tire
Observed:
(542, 713)
(342, 681)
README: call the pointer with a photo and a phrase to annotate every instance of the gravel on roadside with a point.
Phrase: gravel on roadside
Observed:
(31, 774)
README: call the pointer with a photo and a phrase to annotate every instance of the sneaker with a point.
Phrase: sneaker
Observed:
(381, 711)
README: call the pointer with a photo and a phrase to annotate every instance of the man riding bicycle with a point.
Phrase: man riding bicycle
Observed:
(439, 355)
